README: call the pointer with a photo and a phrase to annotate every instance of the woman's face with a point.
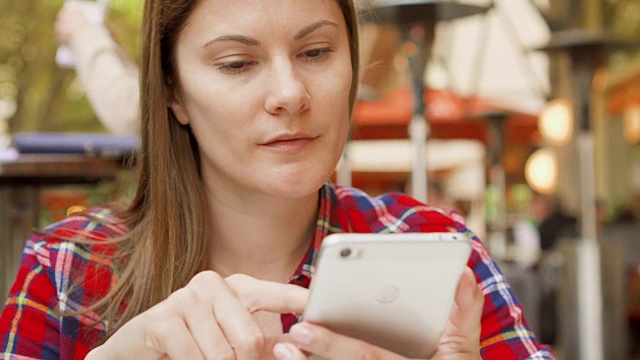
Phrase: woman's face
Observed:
(265, 87)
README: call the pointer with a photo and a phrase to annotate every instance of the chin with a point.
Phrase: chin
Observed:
(300, 183)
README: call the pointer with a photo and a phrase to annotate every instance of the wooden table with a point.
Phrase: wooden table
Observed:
(21, 179)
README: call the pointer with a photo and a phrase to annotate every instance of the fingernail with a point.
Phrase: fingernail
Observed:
(301, 333)
(282, 352)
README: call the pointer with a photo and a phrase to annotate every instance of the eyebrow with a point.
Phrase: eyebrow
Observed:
(237, 38)
(253, 42)
(313, 27)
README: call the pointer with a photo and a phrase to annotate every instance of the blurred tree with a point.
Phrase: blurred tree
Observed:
(622, 18)
(48, 98)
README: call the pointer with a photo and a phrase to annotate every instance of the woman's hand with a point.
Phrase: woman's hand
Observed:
(461, 339)
(75, 16)
(210, 318)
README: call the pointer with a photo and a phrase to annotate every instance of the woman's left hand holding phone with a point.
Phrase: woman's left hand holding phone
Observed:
(210, 318)
(461, 339)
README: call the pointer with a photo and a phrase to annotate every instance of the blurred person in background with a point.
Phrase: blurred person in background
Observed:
(552, 221)
(553, 224)
(108, 75)
(624, 233)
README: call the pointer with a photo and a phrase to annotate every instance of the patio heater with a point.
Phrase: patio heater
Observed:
(588, 51)
(496, 122)
(416, 20)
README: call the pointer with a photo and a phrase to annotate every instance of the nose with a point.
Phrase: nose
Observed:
(287, 90)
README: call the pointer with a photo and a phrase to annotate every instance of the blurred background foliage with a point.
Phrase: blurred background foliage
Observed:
(623, 19)
(36, 95)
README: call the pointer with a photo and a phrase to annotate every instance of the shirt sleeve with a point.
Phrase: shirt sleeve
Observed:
(29, 325)
(505, 332)
(47, 313)
(109, 77)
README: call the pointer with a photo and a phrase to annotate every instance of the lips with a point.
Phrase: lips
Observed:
(289, 143)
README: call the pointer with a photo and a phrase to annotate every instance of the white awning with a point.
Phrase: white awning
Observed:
(463, 158)
(488, 56)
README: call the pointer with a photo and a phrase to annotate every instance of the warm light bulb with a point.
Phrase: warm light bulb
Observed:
(631, 124)
(556, 122)
(541, 171)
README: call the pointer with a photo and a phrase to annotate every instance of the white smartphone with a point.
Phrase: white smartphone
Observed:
(391, 290)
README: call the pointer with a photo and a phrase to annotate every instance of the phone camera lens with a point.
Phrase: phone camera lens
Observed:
(345, 253)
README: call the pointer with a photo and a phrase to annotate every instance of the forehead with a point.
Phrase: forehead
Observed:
(259, 17)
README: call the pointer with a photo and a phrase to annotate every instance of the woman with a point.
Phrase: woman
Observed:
(246, 108)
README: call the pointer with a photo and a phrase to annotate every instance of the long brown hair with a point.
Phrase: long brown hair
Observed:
(166, 245)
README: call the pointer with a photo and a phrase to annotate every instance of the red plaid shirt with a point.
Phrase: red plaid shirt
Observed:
(66, 276)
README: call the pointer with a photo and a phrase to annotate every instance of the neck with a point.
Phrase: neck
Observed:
(263, 237)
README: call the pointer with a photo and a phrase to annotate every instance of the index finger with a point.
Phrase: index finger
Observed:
(261, 295)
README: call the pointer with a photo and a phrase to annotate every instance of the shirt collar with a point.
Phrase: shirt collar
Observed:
(324, 227)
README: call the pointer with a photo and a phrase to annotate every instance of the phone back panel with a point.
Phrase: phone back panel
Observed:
(392, 290)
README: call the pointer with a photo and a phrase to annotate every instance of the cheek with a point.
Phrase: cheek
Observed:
(336, 90)
(214, 122)
(212, 108)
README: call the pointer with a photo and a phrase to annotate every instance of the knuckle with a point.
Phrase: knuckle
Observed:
(180, 297)
(204, 278)
(156, 314)
(240, 284)
(238, 280)
(249, 302)
(158, 331)
(160, 322)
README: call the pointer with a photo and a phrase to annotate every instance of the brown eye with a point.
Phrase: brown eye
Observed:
(237, 64)
(313, 53)
(317, 54)
(235, 67)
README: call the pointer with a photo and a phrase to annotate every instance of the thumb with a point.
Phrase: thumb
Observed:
(462, 334)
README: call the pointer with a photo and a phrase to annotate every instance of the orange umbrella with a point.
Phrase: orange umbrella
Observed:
(450, 117)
